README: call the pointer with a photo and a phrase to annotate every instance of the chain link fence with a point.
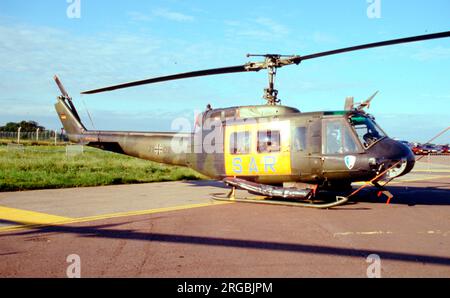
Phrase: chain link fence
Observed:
(42, 136)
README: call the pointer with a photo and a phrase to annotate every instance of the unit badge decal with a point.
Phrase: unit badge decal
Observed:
(350, 161)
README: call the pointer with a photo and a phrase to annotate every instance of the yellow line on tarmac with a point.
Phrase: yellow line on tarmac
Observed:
(33, 220)
(362, 233)
(26, 217)
(145, 212)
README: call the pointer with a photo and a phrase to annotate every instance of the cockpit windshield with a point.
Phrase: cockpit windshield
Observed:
(367, 130)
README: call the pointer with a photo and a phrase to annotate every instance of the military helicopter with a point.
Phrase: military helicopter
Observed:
(274, 151)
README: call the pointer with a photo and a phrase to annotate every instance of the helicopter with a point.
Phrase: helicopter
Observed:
(284, 156)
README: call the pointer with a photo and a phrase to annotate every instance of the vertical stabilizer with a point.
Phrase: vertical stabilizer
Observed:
(67, 113)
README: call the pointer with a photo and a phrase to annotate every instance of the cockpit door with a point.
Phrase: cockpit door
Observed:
(339, 147)
(315, 141)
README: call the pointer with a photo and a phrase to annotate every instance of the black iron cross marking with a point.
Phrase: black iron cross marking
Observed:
(159, 149)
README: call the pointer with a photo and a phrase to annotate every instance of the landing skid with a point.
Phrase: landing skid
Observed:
(231, 197)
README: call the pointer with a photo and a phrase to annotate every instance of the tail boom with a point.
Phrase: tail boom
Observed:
(168, 148)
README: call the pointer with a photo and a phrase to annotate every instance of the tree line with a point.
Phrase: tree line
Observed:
(27, 126)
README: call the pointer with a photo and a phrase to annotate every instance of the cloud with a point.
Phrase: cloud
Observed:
(137, 16)
(42, 51)
(260, 28)
(323, 38)
(445, 97)
(31, 55)
(436, 53)
(415, 127)
(21, 108)
(272, 26)
(172, 15)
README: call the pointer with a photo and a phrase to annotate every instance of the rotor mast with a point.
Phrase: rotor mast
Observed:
(272, 62)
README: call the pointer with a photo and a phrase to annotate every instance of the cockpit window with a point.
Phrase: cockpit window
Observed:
(367, 130)
(338, 138)
(300, 139)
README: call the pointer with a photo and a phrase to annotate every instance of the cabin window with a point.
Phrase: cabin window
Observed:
(240, 143)
(269, 141)
(300, 139)
(338, 138)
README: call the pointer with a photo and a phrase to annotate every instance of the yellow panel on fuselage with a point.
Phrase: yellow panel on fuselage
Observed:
(255, 163)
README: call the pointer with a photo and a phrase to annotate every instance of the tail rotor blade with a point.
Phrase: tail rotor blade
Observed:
(61, 86)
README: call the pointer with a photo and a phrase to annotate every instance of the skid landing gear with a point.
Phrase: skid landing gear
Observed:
(309, 203)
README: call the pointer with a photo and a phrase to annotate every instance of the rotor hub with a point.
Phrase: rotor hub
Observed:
(271, 62)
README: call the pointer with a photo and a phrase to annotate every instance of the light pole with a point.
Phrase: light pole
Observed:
(37, 134)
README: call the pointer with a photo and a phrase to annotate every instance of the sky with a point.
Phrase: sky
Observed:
(96, 43)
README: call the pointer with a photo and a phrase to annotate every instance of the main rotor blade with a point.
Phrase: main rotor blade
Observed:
(269, 62)
(376, 45)
(215, 71)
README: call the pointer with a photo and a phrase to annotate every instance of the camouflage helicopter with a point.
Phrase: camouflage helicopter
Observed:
(285, 156)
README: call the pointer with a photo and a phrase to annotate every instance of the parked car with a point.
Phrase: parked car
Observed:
(417, 150)
(444, 149)
(429, 149)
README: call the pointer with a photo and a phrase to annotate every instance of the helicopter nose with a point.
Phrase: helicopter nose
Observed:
(395, 155)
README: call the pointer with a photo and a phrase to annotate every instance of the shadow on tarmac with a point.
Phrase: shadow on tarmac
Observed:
(410, 196)
(109, 231)
(203, 183)
(403, 195)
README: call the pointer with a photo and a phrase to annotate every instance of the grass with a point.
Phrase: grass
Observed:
(47, 167)
(4, 142)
